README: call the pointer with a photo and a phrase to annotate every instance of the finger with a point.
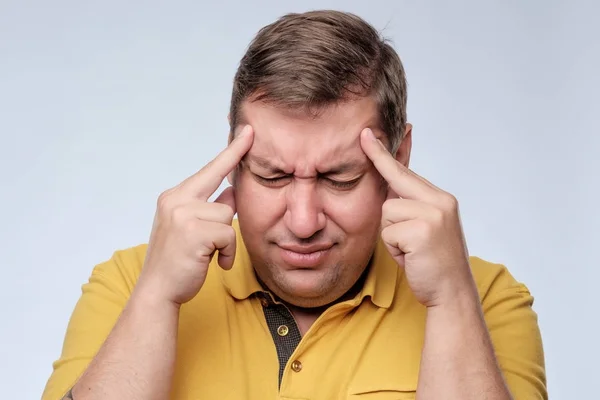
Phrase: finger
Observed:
(399, 238)
(209, 212)
(402, 181)
(204, 183)
(400, 210)
(388, 236)
(224, 241)
(227, 198)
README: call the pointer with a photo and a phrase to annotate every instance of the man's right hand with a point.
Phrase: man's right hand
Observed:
(188, 229)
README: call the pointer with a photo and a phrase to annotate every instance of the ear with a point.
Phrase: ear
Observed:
(402, 155)
(231, 175)
(403, 152)
(230, 138)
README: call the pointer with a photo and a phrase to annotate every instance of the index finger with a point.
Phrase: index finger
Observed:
(403, 181)
(206, 181)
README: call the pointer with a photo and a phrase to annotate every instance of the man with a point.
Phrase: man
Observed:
(345, 274)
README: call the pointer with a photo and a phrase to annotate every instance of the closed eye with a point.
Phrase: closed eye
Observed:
(342, 184)
(279, 180)
(271, 181)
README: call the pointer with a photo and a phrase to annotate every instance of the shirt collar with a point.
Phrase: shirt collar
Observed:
(380, 283)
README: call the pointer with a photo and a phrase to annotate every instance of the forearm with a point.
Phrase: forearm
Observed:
(137, 359)
(458, 360)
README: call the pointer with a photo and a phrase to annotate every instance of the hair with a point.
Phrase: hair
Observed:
(312, 60)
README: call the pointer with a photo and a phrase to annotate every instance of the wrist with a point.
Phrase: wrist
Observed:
(457, 294)
(148, 296)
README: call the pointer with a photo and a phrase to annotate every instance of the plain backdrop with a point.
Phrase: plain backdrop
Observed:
(103, 105)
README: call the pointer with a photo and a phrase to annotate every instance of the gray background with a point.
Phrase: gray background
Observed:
(104, 105)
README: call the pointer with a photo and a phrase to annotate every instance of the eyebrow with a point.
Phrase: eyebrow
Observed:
(345, 167)
(264, 164)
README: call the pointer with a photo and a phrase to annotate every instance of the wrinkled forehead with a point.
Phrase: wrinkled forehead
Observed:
(347, 111)
(296, 139)
(305, 144)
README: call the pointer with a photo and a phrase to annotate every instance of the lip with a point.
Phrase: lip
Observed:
(306, 249)
(304, 256)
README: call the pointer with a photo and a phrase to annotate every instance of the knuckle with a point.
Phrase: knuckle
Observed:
(216, 212)
(231, 235)
(190, 226)
(226, 212)
(437, 216)
(203, 252)
(179, 216)
(165, 199)
(387, 207)
(423, 229)
(387, 235)
(449, 202)
(390, 207)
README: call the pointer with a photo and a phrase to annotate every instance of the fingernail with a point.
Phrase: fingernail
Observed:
(245, 131)
(372, 136)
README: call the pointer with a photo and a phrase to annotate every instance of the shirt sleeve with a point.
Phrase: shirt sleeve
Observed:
(514, 330)
(102, 300)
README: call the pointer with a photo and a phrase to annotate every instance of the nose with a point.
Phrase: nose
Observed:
(304, 215)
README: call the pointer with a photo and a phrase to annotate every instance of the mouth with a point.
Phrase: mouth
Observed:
(304, 256)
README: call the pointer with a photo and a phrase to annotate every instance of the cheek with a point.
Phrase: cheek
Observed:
(358, 211)
(256, 204)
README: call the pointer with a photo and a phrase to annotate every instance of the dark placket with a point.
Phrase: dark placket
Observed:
(283, 328)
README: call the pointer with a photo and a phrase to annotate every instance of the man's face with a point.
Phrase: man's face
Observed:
(309, 200)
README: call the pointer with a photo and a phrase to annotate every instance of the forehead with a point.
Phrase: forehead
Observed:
(301, 142)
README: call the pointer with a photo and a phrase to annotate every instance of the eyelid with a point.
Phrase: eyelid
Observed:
(270, 179)
(344, 184)
(340, 184)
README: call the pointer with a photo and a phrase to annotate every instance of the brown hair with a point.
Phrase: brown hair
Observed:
(311, 60)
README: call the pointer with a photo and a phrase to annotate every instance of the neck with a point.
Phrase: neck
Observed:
(306, 316)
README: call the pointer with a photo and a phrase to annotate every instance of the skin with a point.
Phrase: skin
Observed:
(137, 360)
(292, 192)
(418, 222)
(422, 231)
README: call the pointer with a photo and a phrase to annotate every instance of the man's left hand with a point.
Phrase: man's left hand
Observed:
(421, 229)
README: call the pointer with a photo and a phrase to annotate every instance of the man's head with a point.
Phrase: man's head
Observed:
(308, 199)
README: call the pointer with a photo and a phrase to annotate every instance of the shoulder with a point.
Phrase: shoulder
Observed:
(507, 306)
(493, 276)
(496, 283)
(131, 257)
(123, 268)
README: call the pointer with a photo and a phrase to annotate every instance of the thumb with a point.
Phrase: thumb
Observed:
(227, 197)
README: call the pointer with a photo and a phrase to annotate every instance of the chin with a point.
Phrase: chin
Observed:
(308, 288)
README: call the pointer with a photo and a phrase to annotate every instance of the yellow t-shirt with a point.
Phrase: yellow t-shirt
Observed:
(368, 347)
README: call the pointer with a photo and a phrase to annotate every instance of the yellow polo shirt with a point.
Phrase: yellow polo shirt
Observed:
(368, 347)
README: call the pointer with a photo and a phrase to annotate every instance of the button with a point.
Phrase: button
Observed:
(296, 366)
(264, 302)
(283, 330)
